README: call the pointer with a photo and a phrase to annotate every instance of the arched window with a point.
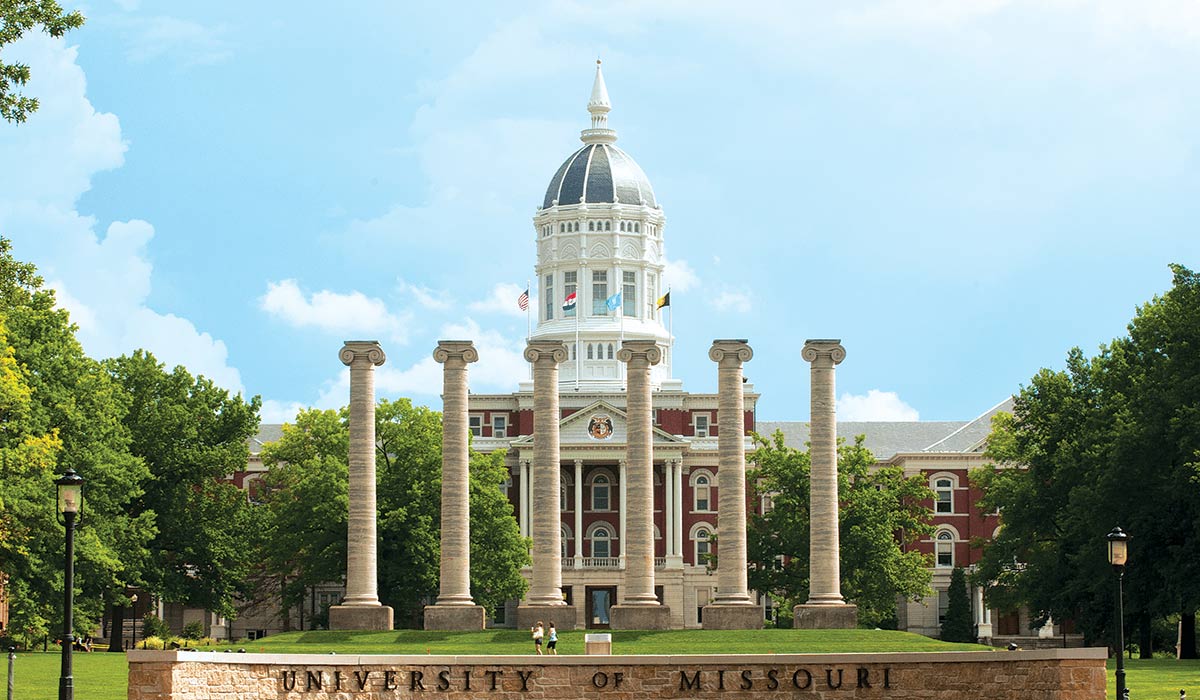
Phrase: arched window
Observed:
(590, 351)
(564, 489)
(944, 549)
(943, 489)
(601, 542)
(591, 225)
(564, 537)
(702, 540)
(561, 227)
(702, 494)
(637, 228)
(622, 225)
(607, 225)
(601, 491)
(573, 352)
(610, 351)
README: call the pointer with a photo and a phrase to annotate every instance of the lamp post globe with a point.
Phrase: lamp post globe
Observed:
(1118, 556)
(70, 506)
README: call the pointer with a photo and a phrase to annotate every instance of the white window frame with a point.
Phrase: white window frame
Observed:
(943, 543)
(608, 539)
(943, 485)
(499, 426)
(701, 545)
(694, 481)
(475, 424)
(608, 482)
(697, 418)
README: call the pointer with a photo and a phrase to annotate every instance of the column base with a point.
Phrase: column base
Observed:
(732, 617)
(825, 617)
(360, 617)
(455, 618)
(563, 616)
(639, 617)
(984, 631)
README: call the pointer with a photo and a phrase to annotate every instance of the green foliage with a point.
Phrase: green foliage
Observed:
(957, 625)
(61, 409)
(155, 626)
(16, 18)
(193, 630)
(880, 513)
(1110, 440)
(191, 434)
(498, 551)
(302, 539)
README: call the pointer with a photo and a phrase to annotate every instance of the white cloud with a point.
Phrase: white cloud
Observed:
(104, 281)
(152, 38)
(731, 300)
(433, 299)
(280, 411)
(348, 314)
(875, 406)
(679, 276)
(503, 299)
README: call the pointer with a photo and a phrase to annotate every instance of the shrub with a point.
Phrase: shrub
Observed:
(154, 626)
(152, 642)
(958, 626)
(193, 630)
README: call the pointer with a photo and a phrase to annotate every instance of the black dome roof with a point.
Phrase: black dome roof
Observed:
(599, 173)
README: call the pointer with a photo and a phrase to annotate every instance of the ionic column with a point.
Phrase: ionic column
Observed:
(455, 610)
(579, 514)
(639, 608)
(825, 583)
(523, 498)
(545, 590)
(678, 486)
(732, 588)
(668, 508)
(361, 608)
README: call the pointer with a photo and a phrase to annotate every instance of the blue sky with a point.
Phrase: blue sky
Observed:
(960, 190)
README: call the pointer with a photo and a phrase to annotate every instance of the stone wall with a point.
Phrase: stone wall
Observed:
(1066, 674)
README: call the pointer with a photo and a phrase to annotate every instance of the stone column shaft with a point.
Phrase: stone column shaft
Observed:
(546, 587)
(361, 608)
(578, 514)
(732, 587)
(455, 581)
(523, 498)
(622, 504)
(678, 509)
(825, 583)
(361, 576)
(668, 508)
(638, 509)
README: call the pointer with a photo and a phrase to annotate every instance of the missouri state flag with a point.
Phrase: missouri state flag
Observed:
(569, 302)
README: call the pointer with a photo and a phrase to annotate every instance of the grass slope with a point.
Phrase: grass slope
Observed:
(102, 676)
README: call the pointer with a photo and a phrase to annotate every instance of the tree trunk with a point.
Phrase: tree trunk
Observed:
(1187, 637)
(1145, 638)
(116, 628)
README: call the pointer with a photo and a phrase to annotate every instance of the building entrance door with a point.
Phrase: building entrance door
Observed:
(599, 600)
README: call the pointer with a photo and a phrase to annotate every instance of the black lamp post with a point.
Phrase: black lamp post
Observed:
(70, 501)
(1118, 555)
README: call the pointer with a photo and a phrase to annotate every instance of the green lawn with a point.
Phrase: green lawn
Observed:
(102, 676)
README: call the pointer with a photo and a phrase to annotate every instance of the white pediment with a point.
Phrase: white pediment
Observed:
(600, 424)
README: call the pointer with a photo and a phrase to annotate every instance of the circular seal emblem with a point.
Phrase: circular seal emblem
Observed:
(600, 427)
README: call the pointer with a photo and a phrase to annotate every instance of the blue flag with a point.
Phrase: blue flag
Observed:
(614, 302)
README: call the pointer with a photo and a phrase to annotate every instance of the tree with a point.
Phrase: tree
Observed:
(304, 493)
(957, 625)
(191, 434)
(881, 513)
(16, 18)
(73, 417)
(498, 551)
(304, 541)
(1110, 440)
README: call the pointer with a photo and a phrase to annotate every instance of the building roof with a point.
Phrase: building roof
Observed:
(599, 173)
(885, 439)
(267, 432)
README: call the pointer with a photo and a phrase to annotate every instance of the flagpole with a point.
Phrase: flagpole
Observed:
(529, 323)
(671, 332)
(578, 358)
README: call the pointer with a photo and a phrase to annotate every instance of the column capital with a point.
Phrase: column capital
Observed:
(735, 350)
(823, 351)
(362, 350)
(546, 350)
(447, 350)
(640, 349)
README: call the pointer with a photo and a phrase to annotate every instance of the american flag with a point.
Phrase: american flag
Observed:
(523, 300)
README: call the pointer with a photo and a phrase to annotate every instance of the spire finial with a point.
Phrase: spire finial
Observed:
(599, 106)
